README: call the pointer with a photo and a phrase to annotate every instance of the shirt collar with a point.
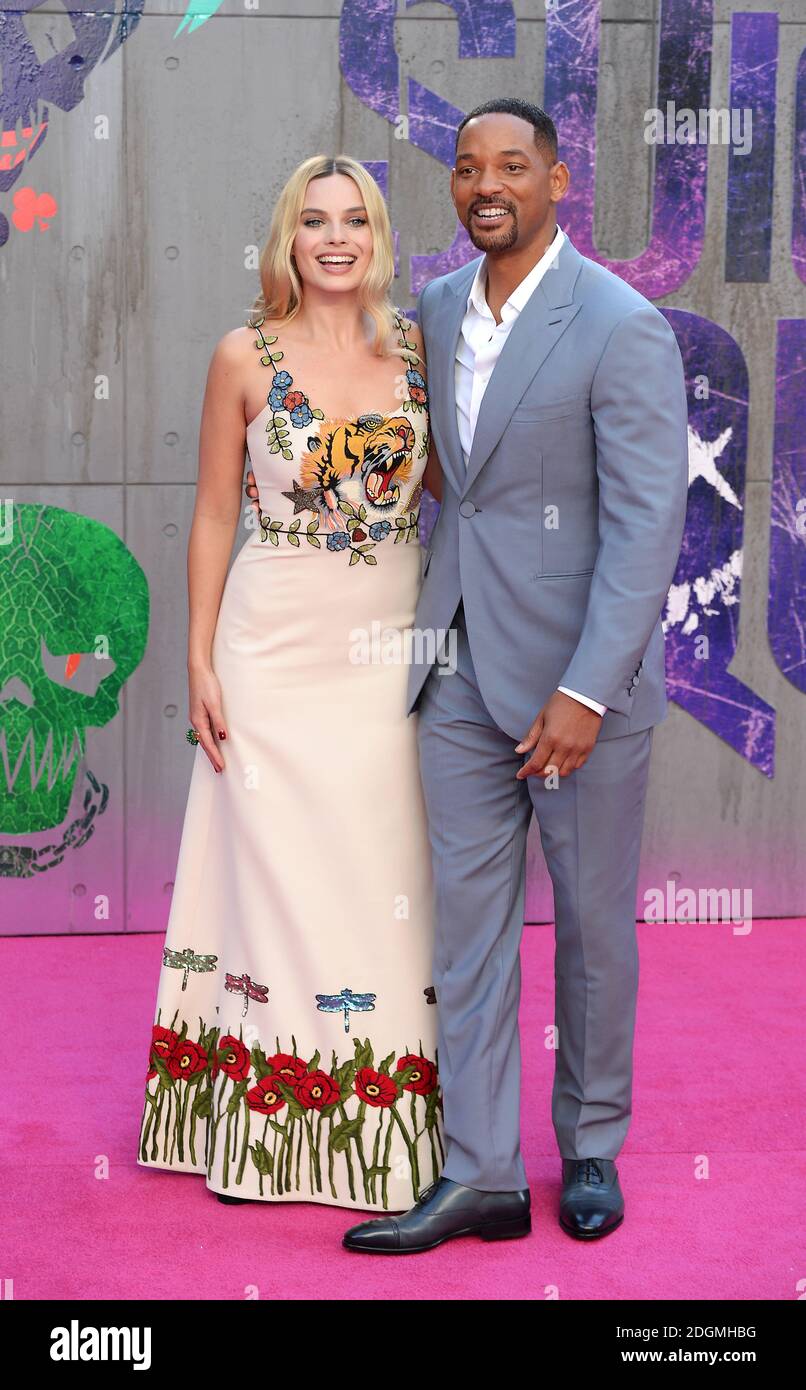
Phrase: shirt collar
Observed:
(510, 310)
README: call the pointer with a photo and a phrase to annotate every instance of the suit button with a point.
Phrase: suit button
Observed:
(467, 508)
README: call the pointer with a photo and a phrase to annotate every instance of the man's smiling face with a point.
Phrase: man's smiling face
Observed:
(502, 183)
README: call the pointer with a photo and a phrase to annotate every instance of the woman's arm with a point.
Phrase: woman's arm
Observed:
(432, 477)
(222, 442)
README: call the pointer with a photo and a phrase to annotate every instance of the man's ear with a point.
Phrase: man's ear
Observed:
(560, 177)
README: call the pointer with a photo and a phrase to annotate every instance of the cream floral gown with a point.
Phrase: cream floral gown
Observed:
(293, 1052)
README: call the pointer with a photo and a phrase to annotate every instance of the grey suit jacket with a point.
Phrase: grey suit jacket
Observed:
(563, 533)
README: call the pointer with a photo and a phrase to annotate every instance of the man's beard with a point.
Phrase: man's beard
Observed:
(505, 239)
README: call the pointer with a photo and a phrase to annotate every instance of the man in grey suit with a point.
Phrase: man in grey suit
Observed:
(558, 411)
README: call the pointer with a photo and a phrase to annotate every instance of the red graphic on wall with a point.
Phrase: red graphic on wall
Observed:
(31, 207)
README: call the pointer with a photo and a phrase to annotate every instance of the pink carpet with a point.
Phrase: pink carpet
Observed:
(719, 1088)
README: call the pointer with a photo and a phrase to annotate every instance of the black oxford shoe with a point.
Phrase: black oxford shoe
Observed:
(443, 1210)
(592, 1203)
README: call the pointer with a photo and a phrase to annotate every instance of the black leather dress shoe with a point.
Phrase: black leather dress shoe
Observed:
(443, 1210)
(592, 1203)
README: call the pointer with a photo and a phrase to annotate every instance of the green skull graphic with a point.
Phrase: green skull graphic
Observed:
(74, 605)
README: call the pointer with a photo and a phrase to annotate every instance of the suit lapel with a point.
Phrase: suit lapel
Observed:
(448, 325)
(540, 324)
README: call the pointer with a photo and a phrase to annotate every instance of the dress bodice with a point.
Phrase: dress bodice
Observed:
(338, 484)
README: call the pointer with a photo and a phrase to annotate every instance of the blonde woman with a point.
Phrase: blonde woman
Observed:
(293, 1055)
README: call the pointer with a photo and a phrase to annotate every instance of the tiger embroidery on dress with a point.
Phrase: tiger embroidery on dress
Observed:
(376, 448)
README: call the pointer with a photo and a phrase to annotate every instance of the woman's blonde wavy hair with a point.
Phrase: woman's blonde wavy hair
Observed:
(281, 292)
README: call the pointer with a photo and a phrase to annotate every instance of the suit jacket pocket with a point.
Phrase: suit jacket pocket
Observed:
(565, 574)
(552, 410)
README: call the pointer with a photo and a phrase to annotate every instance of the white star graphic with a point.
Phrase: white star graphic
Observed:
(702, 457)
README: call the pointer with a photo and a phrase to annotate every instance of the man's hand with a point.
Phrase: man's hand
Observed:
(562, 736)
(251, 491)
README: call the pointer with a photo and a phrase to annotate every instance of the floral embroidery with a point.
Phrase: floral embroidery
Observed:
(374, 450)
(295, 402)
(354, 538)
(417, 389)
(281, 398)
(218, 1081)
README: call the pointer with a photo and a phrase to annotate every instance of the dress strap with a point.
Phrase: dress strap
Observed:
(269, 358)
(404, 324)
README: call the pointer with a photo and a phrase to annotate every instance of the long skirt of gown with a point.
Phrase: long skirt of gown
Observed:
(293, 1055)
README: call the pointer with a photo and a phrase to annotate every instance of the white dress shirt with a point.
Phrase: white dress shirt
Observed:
(480, 343)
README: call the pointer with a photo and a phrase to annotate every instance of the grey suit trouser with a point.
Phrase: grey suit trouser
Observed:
(590, 827)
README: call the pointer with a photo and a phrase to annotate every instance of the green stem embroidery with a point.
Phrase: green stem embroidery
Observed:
(225, 1174)
(319, 1119)
(177, 1118)
(375, 1148)
(245, 1145)
(151, 1105)
(348, 1157)
(289, 1152)
(273, 1158)
(157, 1121)
(299, 1154)
(192, 1133)
(263, 1142)
(385, 1175)
(361, 1158)
(415, 1172)
(313, 1156)
(434, 1164)
(330, 1156)
(214, 1126)
(359, 1144)
(167, 1134)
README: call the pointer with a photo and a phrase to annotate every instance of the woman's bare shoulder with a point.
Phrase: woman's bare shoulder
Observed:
(238, 344)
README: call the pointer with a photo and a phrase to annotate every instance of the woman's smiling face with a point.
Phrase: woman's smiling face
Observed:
(333, 245)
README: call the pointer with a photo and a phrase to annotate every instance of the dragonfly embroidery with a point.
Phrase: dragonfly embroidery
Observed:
(243, 984)
(187, 960)
(346, 1000)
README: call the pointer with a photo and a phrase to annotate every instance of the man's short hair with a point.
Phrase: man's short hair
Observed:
(545, 135)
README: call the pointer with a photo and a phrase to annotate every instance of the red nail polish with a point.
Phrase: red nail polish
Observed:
(222, 733)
